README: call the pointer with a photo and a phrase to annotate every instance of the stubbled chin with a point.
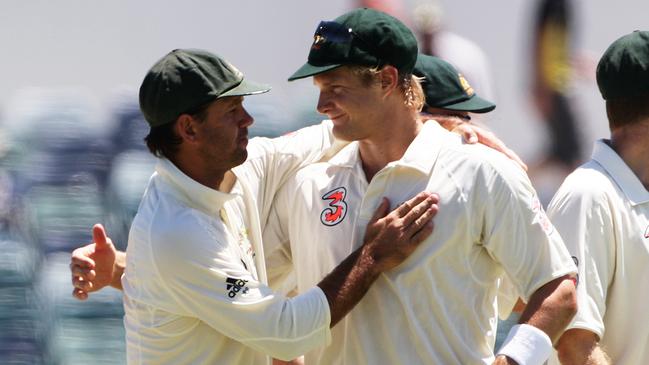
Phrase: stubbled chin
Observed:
(340, 134)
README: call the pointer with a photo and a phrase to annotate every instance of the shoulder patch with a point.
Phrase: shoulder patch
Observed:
(336, 210)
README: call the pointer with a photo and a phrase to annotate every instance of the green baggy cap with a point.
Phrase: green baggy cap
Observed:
(363, 37)
(186, 79)
(623, 70)
(446, 88)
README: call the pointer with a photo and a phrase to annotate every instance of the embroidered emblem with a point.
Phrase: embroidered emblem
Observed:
(540, 217)
(465, 85)
(337, 209)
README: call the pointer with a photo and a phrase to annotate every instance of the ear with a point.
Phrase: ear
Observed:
(389, 77)
(186, 128)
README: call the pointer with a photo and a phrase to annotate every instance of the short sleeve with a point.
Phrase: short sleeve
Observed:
(518, 234)
(583, 218)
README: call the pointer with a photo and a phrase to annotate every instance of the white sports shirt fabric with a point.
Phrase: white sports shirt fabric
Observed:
(195, 280)
(602, 212)
(439, 306)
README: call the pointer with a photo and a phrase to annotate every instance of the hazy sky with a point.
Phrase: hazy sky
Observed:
(103, 46)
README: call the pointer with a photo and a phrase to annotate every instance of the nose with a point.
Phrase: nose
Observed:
(246, 119)
(324, 103)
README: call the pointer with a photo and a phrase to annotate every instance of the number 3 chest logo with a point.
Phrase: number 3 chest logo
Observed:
(336, 211)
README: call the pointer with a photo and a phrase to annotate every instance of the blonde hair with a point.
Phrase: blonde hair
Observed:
(409, 84)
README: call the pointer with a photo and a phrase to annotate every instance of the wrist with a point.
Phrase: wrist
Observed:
(527, 345)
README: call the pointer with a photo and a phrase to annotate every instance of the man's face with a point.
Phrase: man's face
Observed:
(224, 132)
(351, 104)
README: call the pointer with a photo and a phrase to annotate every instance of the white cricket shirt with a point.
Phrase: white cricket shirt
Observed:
(439, 306)
(195, 281)
(602, 212)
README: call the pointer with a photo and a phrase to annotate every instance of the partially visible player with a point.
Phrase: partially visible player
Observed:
(602, 212)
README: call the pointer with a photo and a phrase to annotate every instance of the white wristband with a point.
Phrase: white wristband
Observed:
(527, 345)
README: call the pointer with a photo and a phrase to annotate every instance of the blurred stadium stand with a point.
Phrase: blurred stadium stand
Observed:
(64, 166)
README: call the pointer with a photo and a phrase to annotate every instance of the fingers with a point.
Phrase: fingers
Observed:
(84, 273)
(421, 209)
(80, 294)
(467, 132)
(422, 221)
(99, 236)
(406, 207)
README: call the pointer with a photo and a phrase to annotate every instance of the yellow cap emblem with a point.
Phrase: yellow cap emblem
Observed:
(465, 85)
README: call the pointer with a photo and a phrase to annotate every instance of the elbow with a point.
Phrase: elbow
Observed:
(568, 297)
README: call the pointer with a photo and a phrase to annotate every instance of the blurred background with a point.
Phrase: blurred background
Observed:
(71, 150)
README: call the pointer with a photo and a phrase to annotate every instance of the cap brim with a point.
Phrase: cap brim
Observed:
(310, 70)
(474, 105)
(246, 88)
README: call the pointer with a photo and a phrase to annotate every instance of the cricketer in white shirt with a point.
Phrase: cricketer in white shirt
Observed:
(206, 301)
(602, 212)
(439, 306)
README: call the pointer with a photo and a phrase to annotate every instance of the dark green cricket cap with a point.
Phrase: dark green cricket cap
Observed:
(446, 88)
(623, 70)
(185, 79)
(364, 37)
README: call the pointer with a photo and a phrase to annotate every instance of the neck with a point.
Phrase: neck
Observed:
(390, 142)
(205, 174)
(630, 143)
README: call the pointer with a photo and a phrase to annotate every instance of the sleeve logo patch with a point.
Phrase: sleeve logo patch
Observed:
(540, 217)
(336, 211)
(646, 232)
(234, 286)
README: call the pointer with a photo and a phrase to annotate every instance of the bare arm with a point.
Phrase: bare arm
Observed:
(389, 240)
(579, 346)
(550, 309)
(474, 133)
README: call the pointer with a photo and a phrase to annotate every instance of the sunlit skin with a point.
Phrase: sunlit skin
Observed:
(215, 145)
(368, 114)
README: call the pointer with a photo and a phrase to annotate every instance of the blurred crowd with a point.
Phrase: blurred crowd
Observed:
(63, 168)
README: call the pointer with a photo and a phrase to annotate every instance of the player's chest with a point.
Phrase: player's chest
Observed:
(332, 214)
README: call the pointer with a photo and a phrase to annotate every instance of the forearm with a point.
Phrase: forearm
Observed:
(579, 346)
(118, 270)
(551, 307)
(348, 282)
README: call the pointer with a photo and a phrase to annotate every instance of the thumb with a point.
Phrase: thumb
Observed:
(99, 236)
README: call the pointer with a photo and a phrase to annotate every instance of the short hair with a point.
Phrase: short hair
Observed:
(627, 110)
(163, 141)
(409, 84)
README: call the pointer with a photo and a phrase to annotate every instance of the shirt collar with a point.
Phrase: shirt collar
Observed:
(348, 156)
(623, 176)
(424, 149)
(420, 155)
(193, 193)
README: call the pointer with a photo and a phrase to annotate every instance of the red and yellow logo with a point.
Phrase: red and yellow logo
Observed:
(336, 210)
